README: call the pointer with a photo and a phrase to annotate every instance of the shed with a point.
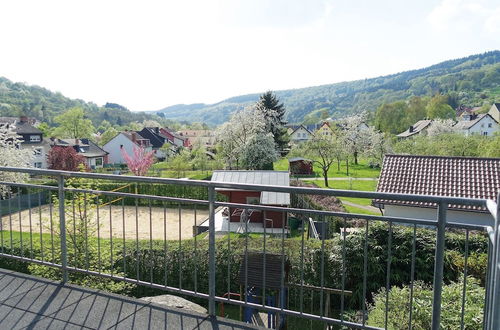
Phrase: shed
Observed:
(299, 165)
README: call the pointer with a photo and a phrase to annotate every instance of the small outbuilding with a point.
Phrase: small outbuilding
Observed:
(301, 166)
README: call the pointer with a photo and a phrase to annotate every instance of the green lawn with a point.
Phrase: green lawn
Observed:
(362, 170)
(361, 185)
(194, 175)
(352, 209)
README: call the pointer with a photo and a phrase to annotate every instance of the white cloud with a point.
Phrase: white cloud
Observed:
(466, 15)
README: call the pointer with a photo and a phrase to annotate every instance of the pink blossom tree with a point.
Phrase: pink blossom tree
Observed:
(140, 162)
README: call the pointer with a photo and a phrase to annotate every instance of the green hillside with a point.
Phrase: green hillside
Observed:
(34, 101)
(472, 81)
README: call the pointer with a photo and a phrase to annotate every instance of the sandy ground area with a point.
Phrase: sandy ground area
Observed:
(117, 219)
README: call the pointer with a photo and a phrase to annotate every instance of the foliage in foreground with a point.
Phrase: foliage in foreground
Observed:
(399, 307)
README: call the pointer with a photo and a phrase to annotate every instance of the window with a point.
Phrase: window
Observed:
(37, 164)
(485, 133)
(35, 138)
(490, 125)
(37, 151)
(98, 161)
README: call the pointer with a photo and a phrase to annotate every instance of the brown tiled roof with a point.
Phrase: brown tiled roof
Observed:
(440, 176)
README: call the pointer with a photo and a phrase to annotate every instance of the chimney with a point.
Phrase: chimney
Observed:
(76, 142)
(411, 129)
(134, 138)
(23, 119)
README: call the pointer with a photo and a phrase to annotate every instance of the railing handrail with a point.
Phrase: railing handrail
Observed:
(259, 187)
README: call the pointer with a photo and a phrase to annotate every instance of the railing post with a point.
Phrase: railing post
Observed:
(62, 228)
(211, 251)
(438, 266)
(493, 314)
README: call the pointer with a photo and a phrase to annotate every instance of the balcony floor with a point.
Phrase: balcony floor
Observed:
(28, 302)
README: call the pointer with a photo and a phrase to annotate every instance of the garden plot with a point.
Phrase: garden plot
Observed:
(143, 222)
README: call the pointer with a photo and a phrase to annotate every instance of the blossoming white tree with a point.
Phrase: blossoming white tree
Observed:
(11, 155)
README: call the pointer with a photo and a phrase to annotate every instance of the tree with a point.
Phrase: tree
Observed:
(180, 163)
(259, 152)
(440, 126)
(234, 135)
(45, 128)
(11, 155)
(439, 108)
(64, 159)
(322, 150)
(391, 118)
(274, 115)
(73, 124)
(356, 135)
(140, 162)
(108, 134)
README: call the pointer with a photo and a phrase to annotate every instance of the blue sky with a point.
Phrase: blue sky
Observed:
(150, 54)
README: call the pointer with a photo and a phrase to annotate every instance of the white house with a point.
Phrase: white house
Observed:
(415, 129)
(483, 124)
(127, 141)
(300, 134)
(467, 177)
(495, 112)
(95, 157)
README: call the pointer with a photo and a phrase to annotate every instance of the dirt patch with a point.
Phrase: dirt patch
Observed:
(142, 222)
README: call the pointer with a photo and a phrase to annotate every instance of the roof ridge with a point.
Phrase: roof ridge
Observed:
(435, 156)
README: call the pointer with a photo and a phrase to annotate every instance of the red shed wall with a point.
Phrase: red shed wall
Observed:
(257, 216)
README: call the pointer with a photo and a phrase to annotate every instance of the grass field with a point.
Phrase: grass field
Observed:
(362, 170)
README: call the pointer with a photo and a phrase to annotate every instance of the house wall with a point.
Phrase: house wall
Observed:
(257, 216)
(300, 135)
(462, 217)
(91, 162)
(39, 158)
(483, 127)
(113, 147)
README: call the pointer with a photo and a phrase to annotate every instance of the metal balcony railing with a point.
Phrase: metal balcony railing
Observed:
(126, 235)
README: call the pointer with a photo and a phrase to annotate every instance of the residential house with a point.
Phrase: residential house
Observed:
(271, 219)
(32, 138)
(300, 134)
(495, 112)
(417, 128)
(127, 140)
(467, 177)
(324, 129)
(158, 141)
(482, 124)
(202, 137)
(95, 156)
(174, 138)
(299, 165)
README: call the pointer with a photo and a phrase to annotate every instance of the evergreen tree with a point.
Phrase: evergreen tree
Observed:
(274, 114)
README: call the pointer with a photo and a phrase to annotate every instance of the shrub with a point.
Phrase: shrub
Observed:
(399, 307)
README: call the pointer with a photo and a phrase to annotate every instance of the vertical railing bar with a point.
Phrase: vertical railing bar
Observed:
(111, 239)
(74, 231)
(229, 255)
(151, 257)
(388, 272)
(137, 250)
(20, 220)
(282, 284)
(124, 240)
(246, 252)
(180, 246)
(42, 254)
(412, 274)
(87, 265)
(264, 260)
(301, 297)
(165, 260)
(98, 223)
(322, 266)
(438, 266)
(342, 296)
(464, 289)
(211, 251)
(62, 228)
(9, 206)
(195, 253)
(30, 222)
(51, 228)
(365, 271)
(494, 313)
(1, 230)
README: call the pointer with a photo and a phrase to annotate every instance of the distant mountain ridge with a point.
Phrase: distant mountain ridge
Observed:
(471, 80)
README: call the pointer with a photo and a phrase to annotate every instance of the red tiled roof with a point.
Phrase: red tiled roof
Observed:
(440, 176)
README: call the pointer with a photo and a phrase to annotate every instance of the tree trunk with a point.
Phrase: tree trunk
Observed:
(338, 164)
(347, 165)
(355, 158)
(325, 175)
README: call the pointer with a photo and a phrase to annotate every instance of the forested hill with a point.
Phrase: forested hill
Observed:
(472, 81)
(20, 99)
